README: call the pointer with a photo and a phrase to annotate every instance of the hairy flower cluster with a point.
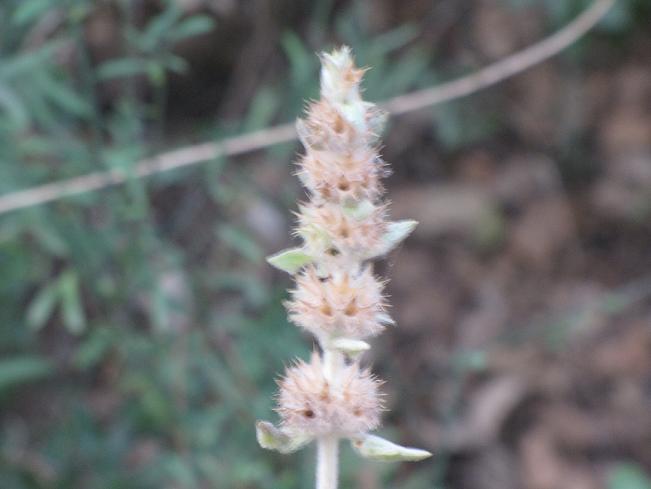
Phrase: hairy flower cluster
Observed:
(309, 403)
(330, 230)
(350, 177)
(342, 226)
(337, 297)
(343, 304)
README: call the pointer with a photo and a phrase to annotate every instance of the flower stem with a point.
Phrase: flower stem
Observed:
(332, 362)
(327, 452)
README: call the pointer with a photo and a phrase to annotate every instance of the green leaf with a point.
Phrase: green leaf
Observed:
(290, 260)
(381, 450)
(240, 241)
(42, 306)
(11, 103)
(193, 26)
(120, 68)
(262, 109)
(302, 62)
(73, 314)
(271, 438)
(159, 28)
(91, 351)
(628, 476)
(19, 370)
(29, 10)
(29, 62)
(63, 96)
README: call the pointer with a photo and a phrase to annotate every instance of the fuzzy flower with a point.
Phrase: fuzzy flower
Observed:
(343, 304)
(311, 405)
(333, 232)
(346, 178)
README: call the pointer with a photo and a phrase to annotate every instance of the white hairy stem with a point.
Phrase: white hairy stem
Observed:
(327, 455)
(327, 448)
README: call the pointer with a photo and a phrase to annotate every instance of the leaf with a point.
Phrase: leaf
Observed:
(91, 351)
(19, 370)
(29, 10)
(396, 232)
(349, 346)
(74, 318)
(159, 28)
(301, 60)
(272, 438)
(11, 103)
(262, 109)
(41, 307)
(193, 26)
(379, 449)
(240, 242)
(120, 68)
(25, 64)
(397, 38)
(63, 96)
(628, 476)
(290, 260)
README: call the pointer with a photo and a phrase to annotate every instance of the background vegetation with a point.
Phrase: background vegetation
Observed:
(140, 328)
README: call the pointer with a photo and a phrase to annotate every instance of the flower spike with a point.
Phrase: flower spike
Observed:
(337, 297)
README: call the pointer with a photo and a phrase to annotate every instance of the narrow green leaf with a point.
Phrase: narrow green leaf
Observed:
(379, 449)
(28, 11)
(42, 306)
(193, 26)
(73, 314)
(159, 28)
(290, 260)
(119, 68)
(11, 103)
(91, 351)
(240, 241)
(19, 370)
(59, 93)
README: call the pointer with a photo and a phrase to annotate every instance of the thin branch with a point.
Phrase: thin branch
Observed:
(191, 155)
(506, 67)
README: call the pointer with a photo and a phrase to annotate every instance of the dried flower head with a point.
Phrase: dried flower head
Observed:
(310, 404)
(344, 304)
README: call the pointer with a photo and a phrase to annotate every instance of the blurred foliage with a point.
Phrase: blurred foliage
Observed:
(628, 476)
(138, 345)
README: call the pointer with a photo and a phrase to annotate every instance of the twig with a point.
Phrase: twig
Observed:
(505, 68)
(191, 155)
